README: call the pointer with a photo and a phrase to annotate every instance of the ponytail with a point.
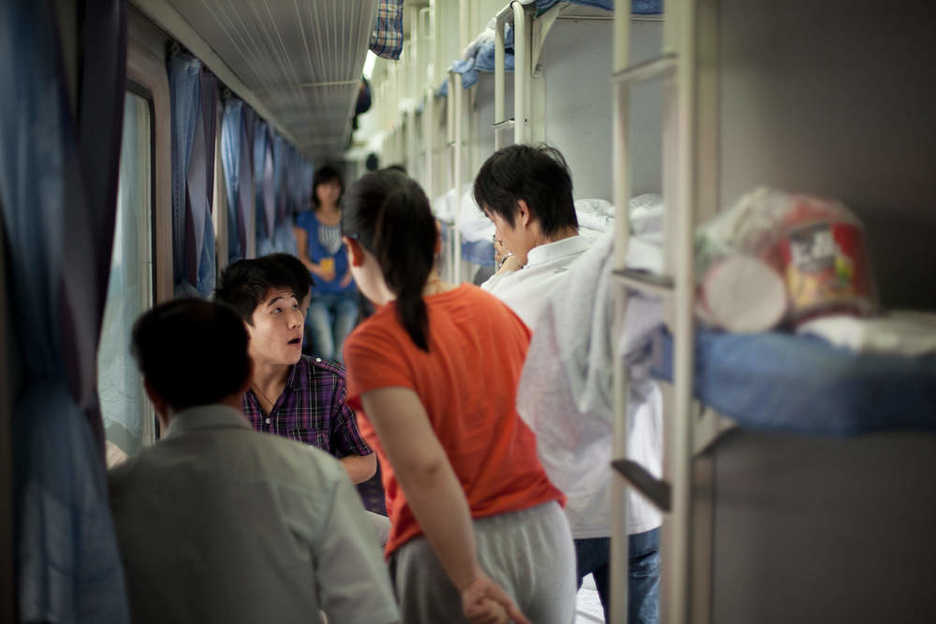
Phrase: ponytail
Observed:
(391, 216)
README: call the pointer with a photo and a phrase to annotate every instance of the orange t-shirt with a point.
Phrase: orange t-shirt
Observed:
(468, 386)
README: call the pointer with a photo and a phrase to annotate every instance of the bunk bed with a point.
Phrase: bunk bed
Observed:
(798, 474)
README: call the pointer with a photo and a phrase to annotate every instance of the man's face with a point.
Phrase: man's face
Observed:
(276, 333)
(511, 237)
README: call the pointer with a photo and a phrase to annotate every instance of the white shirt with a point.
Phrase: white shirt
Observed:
(525, 290)
(566, 391)
(220, 523)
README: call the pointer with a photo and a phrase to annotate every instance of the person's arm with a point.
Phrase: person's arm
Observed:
(436, 498)
(346, 441)
(346, 280)
(360, 467)
(302, 247)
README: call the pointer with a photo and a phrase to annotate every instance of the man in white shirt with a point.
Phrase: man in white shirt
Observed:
(219, 523)
(527, 192)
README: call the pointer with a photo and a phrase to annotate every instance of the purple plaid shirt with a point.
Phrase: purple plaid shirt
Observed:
(312, 410)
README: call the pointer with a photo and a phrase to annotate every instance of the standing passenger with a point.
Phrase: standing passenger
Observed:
(218, 523)
(476, 526)
(290, 394)
(527, 192)
(334, 307)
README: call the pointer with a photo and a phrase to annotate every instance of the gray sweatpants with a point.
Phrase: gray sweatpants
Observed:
(529, 553)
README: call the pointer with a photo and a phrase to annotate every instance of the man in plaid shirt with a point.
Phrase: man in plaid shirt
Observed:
(291, 394)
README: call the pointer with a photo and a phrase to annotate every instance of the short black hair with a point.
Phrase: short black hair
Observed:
(324, 175)
(192, 352)
(245, 283)
(538, 175)
(302, 279)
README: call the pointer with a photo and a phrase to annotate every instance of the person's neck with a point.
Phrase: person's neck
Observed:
(235, 401)
(269, 379)
(435, 285)
(329, 210)
(564, 233)
(232, 400)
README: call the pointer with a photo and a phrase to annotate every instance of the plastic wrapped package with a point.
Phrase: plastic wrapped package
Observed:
(776, 256)
(594, 215)
(443, 207)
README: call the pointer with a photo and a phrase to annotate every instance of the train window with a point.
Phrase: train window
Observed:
(128, 415)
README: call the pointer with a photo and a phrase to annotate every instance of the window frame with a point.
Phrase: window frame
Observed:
(150, 424)
(147, 77)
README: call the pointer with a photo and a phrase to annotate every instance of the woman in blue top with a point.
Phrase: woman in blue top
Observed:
(334, 307)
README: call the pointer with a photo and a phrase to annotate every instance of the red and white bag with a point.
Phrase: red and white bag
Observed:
(777, 257)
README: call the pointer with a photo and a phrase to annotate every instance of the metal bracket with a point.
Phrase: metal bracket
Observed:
(657, 491)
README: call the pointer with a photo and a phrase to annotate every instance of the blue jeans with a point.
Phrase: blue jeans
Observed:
(330, 319)
(643, 570)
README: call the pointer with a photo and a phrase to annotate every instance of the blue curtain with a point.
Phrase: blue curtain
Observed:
(205, 243)
(237, 159)
(193, 95)
(231, 124)
(184, 86)
(263, 187)
(58, 178)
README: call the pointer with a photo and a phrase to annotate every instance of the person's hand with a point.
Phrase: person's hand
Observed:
(326, 271)
(500, 253)
(484, 602)
(512, 263)
(346, 280)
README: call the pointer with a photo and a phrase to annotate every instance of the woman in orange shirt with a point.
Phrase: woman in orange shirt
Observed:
(477, 532)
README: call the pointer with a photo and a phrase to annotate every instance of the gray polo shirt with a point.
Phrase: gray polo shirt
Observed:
(220, 523)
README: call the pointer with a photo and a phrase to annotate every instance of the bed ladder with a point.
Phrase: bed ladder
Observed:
(677, 66)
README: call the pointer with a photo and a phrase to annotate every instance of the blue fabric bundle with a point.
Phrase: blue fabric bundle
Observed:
(802, 384)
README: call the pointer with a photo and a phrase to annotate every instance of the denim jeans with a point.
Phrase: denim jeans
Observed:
(330, 319)
(643, 569)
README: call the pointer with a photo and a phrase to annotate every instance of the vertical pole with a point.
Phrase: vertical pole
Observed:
(522, 46)
(499, 86)
(464, 25)
(457, 97)
(621, 177)
(429, 141)
(681, 444)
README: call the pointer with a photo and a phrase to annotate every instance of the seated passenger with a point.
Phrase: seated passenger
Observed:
(476, 526)
(218, 523)
(527, 192)
(291, 394)
(371, 491)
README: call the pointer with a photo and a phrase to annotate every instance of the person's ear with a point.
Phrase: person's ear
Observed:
(523, 215)
(355, 251)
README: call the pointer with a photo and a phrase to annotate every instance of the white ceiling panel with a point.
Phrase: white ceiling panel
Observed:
(301, 58)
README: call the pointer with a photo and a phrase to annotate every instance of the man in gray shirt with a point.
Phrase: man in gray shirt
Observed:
(219, 523)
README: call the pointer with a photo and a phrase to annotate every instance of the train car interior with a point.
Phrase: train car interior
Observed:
(759, 174)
